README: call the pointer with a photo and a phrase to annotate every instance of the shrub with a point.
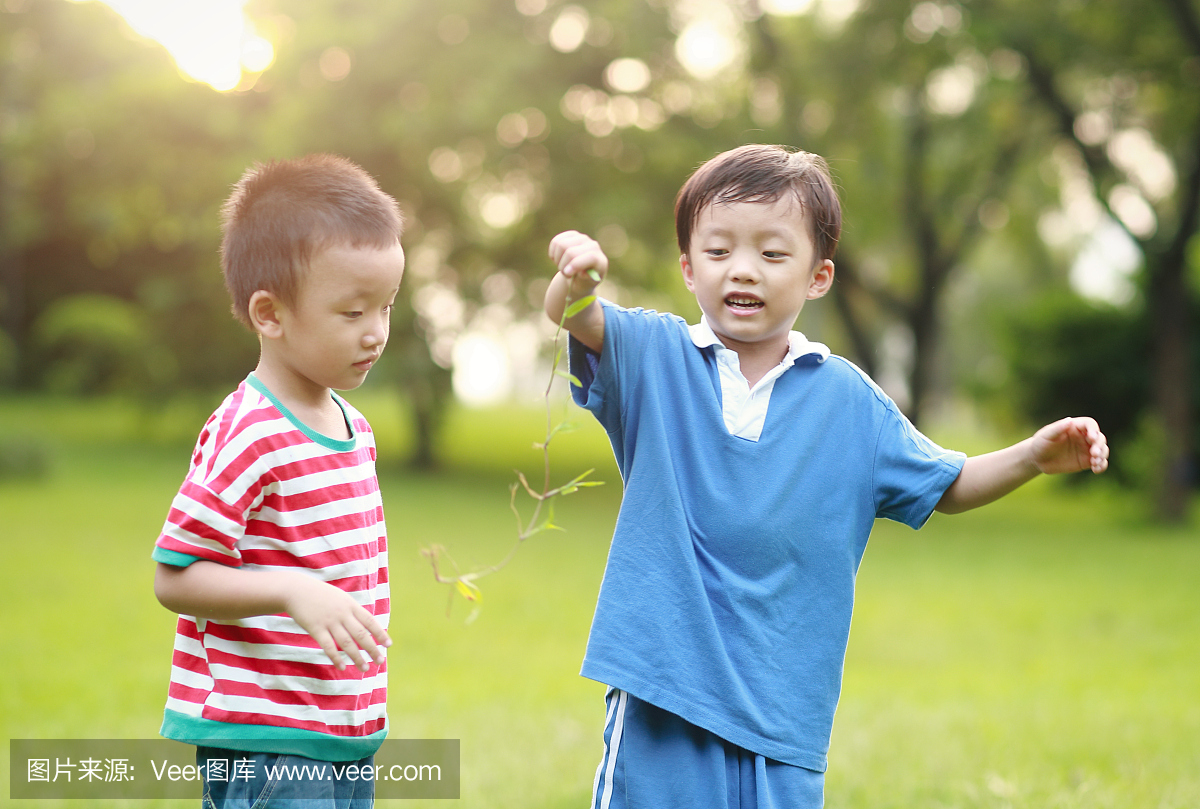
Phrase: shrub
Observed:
(1070, 357)
(95, 344)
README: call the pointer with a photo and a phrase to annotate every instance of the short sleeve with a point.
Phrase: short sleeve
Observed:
(201, 525)
(911, 472)
(599, 373)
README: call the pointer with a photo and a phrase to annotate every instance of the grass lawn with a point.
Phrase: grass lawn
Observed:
(1043, 652)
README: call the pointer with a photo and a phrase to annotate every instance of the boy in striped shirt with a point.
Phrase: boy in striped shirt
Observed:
(274, 552)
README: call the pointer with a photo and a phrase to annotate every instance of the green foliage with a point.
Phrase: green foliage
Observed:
(93, 344)
(111, 172)
(1070, 357)
(494, 139)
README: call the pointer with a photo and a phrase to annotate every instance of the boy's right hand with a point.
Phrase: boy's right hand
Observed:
(580, 260)
(581, 266)
(338, 624)
(331, 616)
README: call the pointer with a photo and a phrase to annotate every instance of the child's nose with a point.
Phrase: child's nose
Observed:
(377, 334)
(744, 269)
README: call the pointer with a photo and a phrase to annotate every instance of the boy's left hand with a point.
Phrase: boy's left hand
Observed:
(1070, 445)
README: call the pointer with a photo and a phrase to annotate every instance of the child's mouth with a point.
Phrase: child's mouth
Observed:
(743, 303)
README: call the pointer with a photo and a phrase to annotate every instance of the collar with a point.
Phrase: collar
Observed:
(798, 345)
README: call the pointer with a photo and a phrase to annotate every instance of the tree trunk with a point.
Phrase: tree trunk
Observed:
(425, 421)
(426, 387)
(926, 332)
(1172, 384)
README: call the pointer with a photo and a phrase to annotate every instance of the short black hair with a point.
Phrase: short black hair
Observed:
(282, 213)
(761, 173)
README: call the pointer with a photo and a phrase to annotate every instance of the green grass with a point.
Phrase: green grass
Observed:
(1043, 652)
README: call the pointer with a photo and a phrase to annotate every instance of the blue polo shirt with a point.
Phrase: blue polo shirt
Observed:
(727, 594)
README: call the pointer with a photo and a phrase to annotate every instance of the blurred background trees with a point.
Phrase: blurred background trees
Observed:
(1021, 183)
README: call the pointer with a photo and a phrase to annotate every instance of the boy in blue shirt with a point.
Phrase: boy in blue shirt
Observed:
(754, 464)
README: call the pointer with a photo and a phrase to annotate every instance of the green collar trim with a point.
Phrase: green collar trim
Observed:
(335, 444)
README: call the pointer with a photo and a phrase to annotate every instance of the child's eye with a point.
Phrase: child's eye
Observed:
(352, 315)
(716, 252)
(774, 254)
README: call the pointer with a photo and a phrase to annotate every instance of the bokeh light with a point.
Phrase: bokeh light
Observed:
(211, 40)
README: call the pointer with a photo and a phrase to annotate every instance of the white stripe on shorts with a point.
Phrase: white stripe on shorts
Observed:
(611, 748)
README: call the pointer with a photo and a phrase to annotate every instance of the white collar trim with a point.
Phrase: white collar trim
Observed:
(798, 345)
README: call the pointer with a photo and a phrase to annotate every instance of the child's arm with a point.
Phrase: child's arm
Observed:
(1067, 445)
(576, 255)
(331, 616)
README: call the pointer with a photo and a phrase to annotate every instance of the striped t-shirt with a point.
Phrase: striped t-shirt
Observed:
(266, 492)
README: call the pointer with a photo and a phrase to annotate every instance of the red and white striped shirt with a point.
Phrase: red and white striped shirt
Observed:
(266, 492)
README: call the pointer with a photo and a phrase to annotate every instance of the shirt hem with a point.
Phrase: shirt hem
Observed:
(686, 708)
(268, 738)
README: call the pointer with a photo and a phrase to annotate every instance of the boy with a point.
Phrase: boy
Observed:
(274, 553)
(754, 464)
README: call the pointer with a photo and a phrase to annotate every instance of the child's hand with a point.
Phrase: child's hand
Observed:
(338, 624)
(1070, 445)
(580, 260)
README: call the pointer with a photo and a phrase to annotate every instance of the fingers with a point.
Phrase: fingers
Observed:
(1098, 447)
(1058, 429)
(575, 253)
(343, 629)
(329, 646)
(356, 641)
(1097, 444)
(1083, 435)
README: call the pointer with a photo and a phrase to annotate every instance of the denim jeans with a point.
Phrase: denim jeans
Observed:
(234, 779)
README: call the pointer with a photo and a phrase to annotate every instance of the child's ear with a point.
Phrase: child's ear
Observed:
(822, 280)
(689, 278)
(264, 310)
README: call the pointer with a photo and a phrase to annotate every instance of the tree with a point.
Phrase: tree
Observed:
(457, 109)
(926, 129)
(1122, 88)
(111, 170)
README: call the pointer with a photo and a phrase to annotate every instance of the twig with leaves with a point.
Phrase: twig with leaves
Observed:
(542, 517)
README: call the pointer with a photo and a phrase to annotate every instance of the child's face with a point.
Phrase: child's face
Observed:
(337, 327)
(752, 266)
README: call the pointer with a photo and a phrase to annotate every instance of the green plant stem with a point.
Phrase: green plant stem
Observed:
(465, 583)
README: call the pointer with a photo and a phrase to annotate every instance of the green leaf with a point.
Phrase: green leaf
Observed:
(578, 478)
(578, 306)
(594, 274)
(574, 379)
(468, 590)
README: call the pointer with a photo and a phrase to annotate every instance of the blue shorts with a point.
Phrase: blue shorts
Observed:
(241, 780)
(653, 759)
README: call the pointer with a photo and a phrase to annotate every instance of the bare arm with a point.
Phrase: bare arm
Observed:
(331, 616)
(576, 255)
(1067, 445)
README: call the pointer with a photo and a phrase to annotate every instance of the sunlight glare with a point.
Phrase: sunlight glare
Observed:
(706, 48)
(785, 8)
(210, 40)
(1104, 267)
(482, 372)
